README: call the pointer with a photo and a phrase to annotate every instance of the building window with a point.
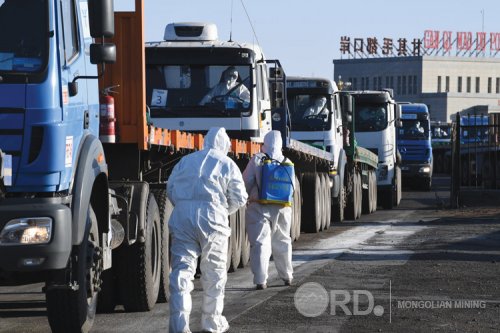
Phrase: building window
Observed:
(392, 82)
(403, 86)
(362, 83)
(498, 85)
(355, 84)
(468, 84)
(387, 82)
(399, 85)
(489, 85)
(447, 83)
(415, 90)
(459, 84)
(379, 83)
(374, 83)
(478, 85)
(439, 84)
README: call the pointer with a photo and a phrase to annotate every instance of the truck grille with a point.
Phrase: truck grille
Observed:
(11, 135)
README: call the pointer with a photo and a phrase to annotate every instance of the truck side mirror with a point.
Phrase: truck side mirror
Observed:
(102, 53)
(398, 115)
(101, 18)
(277, 94)
(276, 73)
(347, 104)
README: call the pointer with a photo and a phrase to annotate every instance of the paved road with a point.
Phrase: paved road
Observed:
(390, 261)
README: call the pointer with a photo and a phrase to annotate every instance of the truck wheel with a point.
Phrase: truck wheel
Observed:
(398, 187)
(230, 245)
(328, 202)
(74, 310)
(245, 243)
(311, 219)
(339, 205)
(353, 200)
(373, 176)
(359, 205)
(140, 265)
(165, 208)
(236, 254)
(367, 195)
(322, 202)
(297, 208)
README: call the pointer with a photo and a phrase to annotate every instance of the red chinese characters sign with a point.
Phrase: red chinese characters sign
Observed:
(434, 42)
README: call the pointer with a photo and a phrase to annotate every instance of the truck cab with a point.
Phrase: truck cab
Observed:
(414, 145)
(53, 187)
(377, 116)
(187, 88)
(315, 115)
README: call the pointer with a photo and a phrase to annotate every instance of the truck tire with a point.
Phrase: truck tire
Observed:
(311, 219)
(353, 200)
(373, 178)
(74, 310)
(237, 243)
(322, 202)
(229, 245)
(339, 205)
(328, 202)
(140, 265)
(297, 209)
(245, 243)
(165, 207)
(367, 195)
(398, 187)
(359, 205)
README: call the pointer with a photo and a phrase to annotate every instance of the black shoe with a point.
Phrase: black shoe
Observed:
(261, 286)
(288, 282)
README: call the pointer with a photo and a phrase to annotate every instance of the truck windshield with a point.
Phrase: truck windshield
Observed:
(23, 36)
(310, 112)
(414, 129)
(198, 90)
(370, 118)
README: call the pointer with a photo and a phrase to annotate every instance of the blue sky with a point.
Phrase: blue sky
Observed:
(305, 35)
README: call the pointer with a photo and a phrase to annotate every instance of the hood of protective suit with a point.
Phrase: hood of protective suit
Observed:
(273, 144)
(217, 138)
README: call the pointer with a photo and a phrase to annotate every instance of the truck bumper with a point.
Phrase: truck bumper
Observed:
(36, 257)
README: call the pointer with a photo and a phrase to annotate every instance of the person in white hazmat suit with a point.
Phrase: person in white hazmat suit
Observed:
(228, 90)
(318, 109)
(205, 187)
(268, 225)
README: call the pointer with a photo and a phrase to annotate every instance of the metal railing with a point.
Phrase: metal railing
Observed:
(475, 153)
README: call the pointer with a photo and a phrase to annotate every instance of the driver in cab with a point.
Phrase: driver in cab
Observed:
(317, 110)
(229, 90)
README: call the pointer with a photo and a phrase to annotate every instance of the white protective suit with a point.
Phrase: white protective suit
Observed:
(268, 225)
(205, 187)
(319, 108)
(227, 84)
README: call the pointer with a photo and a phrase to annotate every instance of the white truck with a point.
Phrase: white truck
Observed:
(317, 114)
(377, 115)
(183, 68)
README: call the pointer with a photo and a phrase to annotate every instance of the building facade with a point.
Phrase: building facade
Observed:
(446, 84)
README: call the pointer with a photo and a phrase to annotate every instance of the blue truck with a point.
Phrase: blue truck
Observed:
(414, 145)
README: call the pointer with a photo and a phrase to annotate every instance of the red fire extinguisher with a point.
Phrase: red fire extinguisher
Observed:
(107, 116)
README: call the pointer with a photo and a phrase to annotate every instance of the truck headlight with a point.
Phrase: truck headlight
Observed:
(32, 230)
(425, 169)
(383, 171)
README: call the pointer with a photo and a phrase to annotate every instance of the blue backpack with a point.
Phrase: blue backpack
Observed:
(276, 182)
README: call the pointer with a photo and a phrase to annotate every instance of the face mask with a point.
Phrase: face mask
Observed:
(231, 80)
